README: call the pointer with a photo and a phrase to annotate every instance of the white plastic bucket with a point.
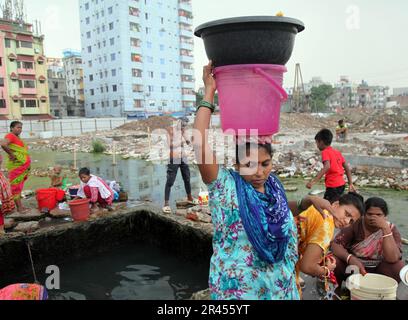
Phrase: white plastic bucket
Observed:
(372, 287)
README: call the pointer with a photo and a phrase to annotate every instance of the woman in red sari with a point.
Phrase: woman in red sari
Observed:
(19, 162)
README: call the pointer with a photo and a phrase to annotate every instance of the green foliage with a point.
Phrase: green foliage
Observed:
(319, 96)
(98, 146)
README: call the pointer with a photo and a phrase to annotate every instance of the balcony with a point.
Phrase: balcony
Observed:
(187, 84)
(188, 59)
(30, 111)
(26, 71)
(186, 33)
(185, 5)
(28, 90)
(187, 45)
(25, 51)
(188, 97)
(186, 20)
(187, 72)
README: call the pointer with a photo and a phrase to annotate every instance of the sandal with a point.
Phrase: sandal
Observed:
(167, 210)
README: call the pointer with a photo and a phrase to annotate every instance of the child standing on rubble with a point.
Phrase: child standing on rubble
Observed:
(334, 167)
(6, 199)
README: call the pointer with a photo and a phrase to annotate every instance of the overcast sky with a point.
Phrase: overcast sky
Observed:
(363, 39)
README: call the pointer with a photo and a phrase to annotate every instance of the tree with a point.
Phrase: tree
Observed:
(319, 96)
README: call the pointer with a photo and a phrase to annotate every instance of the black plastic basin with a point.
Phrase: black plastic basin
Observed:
(250, 40)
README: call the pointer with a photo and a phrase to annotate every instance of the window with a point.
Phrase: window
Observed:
(87, 6)
(134, 27)
(148, 30)
(87, 20)
(136, 43)
(99, 45)
(92, 91)
(147, 16)
(55, 83)
(150, 59)
(138, 103)
(137, 73)
(115, 103)
(97, 15)
(162, 20)
(163, 75)
(111, 26)
(91, 77)
(90, 63)
(114, 88)
(134, 11)
(113, 56)
(25, 65)
(107, 88)
(163, 89)
(137, 88)
(100, 60)
(103, 104)
(162, 47)
(110, 10)
(103, 28)
(150, 88)
(136, 57)
(28, 103)
(89, 49)
(29, 84)
(151, 74)
(113, 72)
(101, 89)
(101, 75)
(112, 41)
(106, 73)
(104, 43)
(26, 44)
(162, 61)
(93, 106)
(3, 104)
(1, 82)
(8, 43)
(98, 30)
(88, 34)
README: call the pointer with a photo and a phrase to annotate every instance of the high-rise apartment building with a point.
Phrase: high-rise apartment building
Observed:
(137, 56)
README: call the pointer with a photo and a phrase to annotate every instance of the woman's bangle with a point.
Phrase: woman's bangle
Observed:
(206, 104)
(388, 235)
(326, 270)
(348, 258)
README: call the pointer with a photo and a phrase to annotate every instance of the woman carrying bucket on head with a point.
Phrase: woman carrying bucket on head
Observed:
(372, 244)
(19, 162)
(255, 235)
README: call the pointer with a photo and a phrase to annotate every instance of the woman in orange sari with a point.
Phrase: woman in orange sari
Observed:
(19, 162)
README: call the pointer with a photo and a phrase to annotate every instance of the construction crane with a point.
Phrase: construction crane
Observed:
(299, 100)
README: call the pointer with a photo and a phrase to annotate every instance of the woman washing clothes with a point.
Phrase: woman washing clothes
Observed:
(95, 189)
(372, 244)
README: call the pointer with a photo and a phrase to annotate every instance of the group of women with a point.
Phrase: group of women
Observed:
(262, 241)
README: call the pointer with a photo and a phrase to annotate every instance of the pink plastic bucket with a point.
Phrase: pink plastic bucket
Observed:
(250, 98)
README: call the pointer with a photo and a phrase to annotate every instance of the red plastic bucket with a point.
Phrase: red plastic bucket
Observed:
(80, 210)
(250, 98)
(46, 198)
(59, 194)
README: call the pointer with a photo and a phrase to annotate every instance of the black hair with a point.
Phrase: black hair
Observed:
(15, 124)
(84, 171)
(238, 150)
(341, 121)
(353, 199)
(326, 136)
(377, 203)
